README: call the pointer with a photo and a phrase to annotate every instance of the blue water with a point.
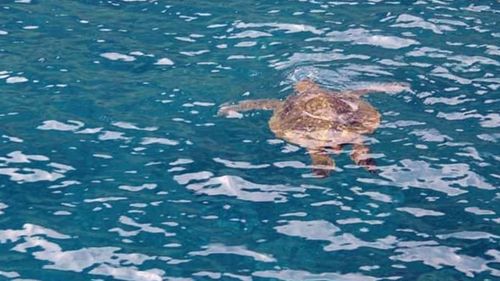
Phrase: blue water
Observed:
(115, 166)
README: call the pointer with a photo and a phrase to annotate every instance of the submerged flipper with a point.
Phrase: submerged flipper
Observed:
(323, 164)
(247, 105)
(390, 88)
(360, 156)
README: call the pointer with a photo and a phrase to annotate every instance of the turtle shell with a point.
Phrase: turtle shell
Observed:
(315, 118)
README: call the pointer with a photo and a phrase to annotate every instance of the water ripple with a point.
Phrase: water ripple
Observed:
(115, 165)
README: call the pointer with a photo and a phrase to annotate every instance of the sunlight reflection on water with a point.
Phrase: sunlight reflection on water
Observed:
(114, 163)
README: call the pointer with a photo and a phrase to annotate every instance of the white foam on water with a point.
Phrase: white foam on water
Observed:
(117, 57)
(164, 61)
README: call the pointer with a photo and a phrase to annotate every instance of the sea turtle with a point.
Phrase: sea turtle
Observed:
(322, 121)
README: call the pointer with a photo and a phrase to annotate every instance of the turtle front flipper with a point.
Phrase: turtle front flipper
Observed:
(360, 156)
(247, 105)
(390, 88)
(322, 163)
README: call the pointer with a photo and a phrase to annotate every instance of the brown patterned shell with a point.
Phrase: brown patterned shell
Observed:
(315, 117)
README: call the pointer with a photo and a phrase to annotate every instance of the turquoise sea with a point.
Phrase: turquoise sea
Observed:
(115, 166)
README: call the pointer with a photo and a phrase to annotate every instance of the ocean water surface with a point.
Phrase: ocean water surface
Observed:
(115, 166)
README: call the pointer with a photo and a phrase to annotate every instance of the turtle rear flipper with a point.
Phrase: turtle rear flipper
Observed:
(360, 156)
(247, 105)
(322, 163)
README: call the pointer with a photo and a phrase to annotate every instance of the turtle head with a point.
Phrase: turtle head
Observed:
(305, 86)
